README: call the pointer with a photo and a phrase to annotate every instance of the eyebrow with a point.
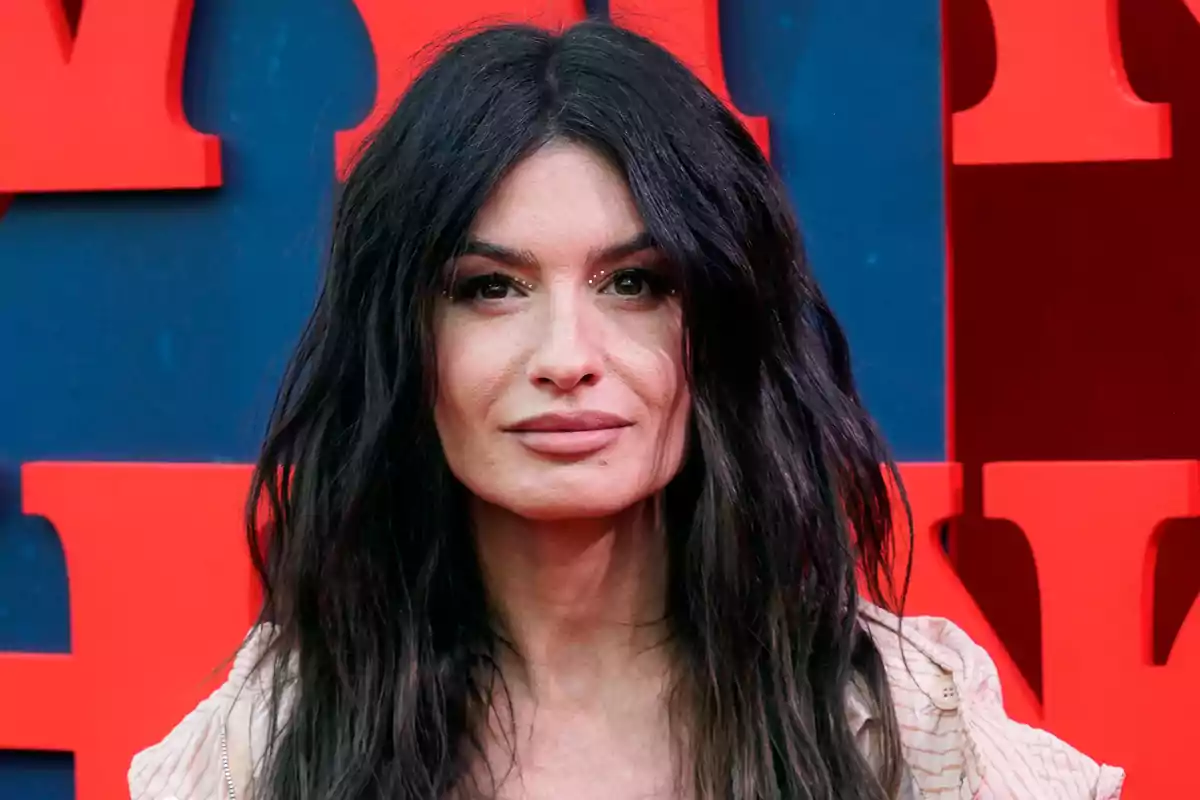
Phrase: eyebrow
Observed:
(524, 258)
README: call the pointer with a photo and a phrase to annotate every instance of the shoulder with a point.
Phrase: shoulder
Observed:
(957, 739)
(217, 743)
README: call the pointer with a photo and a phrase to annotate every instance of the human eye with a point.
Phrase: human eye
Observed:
(491, 287)
(637, 283)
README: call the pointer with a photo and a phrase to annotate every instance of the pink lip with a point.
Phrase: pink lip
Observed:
(570, 422)
(571, 433)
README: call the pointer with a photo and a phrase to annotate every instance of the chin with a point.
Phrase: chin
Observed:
(563, 512)
(556, 509)
(547, 498)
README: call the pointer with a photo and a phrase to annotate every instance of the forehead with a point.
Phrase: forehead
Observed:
(563, 194)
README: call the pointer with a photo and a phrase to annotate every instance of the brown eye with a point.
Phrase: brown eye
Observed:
(637, 282)
(629, 283)
(491, 287)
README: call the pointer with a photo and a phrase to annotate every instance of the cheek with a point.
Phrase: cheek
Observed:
(457, 379)
(473, 366)
(651, 363)
(651, 358)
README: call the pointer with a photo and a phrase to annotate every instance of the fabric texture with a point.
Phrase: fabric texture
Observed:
(958, 742)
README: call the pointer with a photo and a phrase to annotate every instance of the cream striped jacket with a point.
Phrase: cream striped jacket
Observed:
(958, 743)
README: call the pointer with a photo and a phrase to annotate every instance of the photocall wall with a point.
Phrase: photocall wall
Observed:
(999, 196)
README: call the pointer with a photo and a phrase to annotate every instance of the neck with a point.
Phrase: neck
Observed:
(581, 602)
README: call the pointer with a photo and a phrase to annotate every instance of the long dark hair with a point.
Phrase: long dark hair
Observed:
(383, 646)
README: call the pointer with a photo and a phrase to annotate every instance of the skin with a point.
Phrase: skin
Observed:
(579, 315)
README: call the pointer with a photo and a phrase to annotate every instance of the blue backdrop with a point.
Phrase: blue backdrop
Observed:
(153, 326)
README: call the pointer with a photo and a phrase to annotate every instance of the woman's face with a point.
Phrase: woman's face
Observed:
(561, 388)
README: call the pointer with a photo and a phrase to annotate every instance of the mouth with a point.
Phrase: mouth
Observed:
(570, 434)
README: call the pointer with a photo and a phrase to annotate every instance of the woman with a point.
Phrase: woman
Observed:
(569, 486)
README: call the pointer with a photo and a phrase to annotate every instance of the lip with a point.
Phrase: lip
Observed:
(570, 422)
(570, 434)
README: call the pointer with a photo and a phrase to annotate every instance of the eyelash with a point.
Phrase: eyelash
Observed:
(468, 288)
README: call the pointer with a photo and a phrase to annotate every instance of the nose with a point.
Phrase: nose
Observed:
(567, 354)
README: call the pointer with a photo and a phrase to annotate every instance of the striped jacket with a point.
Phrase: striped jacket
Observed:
(957, 740)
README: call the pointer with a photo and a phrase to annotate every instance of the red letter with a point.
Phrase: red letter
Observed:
(935, 494)
(104, 111)
(160, 596)
(1094, 531)
(1060, 91)
(400, 31)
(691, 31)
